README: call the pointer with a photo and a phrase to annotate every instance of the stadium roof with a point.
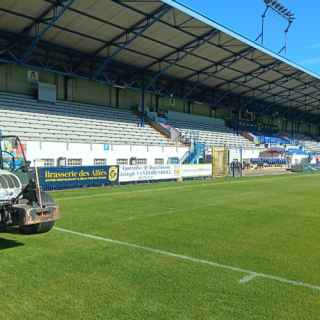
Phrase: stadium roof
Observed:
(160, 45)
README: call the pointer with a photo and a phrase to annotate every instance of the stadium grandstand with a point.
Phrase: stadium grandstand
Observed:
(96, 82)
(154, 164)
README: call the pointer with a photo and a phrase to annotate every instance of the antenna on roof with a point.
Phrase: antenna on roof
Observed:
(283, 12)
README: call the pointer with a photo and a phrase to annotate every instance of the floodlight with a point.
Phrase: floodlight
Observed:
(278, 8)
(282, 11)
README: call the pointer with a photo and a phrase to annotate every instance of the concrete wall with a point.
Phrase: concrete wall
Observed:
(14, 79)
(87, 91)
(235, 154)
(89, 152)
(194, 118)
(36, 151)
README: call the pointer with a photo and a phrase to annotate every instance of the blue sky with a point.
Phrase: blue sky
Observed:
(244, 17)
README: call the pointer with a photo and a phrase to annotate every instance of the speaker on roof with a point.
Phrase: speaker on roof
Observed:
(33, 76)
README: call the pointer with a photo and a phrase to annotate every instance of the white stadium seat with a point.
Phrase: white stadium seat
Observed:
(73, 122)
(211, 134)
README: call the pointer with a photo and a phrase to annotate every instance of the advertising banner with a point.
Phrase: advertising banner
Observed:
(163, 172)
(196, 170)
(148, 172)
(59, 178)
(55, 178)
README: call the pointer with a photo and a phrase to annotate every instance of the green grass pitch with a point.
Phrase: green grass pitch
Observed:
(175, 248)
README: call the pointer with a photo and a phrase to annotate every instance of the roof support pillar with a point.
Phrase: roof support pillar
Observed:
(66, 88)
(189, 107)
(117, 97)
(142, 105)
(157, 102)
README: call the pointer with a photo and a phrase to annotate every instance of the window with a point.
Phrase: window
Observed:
(141, 161)
(100, 162)
(122, 161)
(61, 162)
(74, 162)
(173, 160)
(158, 161)
(47, 162)
(135, 161)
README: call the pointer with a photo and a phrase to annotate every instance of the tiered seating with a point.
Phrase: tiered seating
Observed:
(73, 122)
(269, 161)
(271, 139)
(311, 146)
(211, 134)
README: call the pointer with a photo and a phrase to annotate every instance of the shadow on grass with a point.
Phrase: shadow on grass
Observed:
(12, 230)
(9, 244)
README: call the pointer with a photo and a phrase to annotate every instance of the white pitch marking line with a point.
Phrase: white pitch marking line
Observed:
(248, 278)
(195, 260)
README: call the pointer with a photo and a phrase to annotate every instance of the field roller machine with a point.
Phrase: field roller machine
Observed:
(22, 202)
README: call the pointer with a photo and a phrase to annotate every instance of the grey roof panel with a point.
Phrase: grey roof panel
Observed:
(100, 27)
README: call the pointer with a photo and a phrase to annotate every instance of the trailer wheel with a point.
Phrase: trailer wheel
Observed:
(37, 228)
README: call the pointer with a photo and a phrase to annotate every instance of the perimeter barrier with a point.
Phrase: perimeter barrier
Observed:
(60, 178)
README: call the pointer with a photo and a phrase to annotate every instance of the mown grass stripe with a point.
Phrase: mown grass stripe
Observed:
(195, 260)
(182, 187)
